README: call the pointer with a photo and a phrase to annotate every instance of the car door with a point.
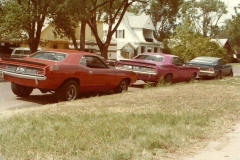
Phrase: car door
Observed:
(225, 68)
(97, 75)
(182, 72)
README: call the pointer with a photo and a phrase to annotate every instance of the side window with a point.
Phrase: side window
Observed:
(83, 61)
(177, 61)
(92, 62)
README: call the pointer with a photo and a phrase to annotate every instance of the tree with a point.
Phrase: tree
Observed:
(206, 14)
(24, 19)
(113, 12)
(188, 43)
(65, 20)
(233, 31)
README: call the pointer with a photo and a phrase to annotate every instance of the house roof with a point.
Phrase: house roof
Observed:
(141, 22)
(221, 42)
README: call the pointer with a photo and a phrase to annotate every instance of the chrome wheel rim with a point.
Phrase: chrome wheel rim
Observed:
(71, 93)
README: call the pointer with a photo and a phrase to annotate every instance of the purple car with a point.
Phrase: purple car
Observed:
(156, 67)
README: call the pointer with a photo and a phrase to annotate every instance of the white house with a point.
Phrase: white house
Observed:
(134, 36)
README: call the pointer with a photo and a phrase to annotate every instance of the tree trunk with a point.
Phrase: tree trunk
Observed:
(82, 35)
(74, 41)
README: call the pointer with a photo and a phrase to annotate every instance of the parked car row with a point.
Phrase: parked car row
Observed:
(69, 72)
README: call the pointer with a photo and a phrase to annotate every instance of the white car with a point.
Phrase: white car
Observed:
(21, 52)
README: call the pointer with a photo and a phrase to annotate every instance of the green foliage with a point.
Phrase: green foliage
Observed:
(233, 30)
(148, 125)
(24, 19)
(188, 43)
(206, 14)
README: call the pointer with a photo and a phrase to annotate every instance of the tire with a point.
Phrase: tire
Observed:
(219, 75)
(231, 73)
(122, 87)
(68, 91)
(21, 91)
(168, 78)
(193, 77)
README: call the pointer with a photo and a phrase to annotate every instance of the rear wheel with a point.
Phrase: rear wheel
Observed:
(219, 75)
(68, 91)
(168, 78)
(21, 91)
(193, 77)
(231, 73)
(122, 87)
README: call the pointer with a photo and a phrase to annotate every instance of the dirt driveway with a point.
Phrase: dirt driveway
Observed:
(225, 148)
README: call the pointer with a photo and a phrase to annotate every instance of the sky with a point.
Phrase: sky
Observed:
(230, 5)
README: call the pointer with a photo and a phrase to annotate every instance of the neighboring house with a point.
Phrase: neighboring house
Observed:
(134, 36)
(226, 45)
(48, 40)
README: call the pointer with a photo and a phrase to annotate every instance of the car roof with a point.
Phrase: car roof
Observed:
(207, 57)
(161, 54)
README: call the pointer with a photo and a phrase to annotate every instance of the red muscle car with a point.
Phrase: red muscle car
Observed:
(64, 72)
(156, 67)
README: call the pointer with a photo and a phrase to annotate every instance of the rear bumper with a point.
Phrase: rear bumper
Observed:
(207, 74)
(36, 78)
(144, 76)
(40, 82)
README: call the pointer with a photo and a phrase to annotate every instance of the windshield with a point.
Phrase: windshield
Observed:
(49, 56)
(156, 58)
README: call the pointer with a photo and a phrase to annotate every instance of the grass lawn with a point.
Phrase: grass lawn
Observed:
(163, 122)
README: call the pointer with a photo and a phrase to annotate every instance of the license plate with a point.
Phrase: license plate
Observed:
(20, 69)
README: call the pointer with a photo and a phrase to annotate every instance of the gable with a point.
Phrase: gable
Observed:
(144, 22)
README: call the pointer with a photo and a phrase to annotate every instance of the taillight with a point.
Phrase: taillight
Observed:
(210, 69)
(3, 66)
(41, 72)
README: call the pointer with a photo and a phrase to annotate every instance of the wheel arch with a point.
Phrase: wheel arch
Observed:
(68, 79)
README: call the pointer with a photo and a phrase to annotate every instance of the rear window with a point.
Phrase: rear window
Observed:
(203, 60)
(156, 58)
(54, 56)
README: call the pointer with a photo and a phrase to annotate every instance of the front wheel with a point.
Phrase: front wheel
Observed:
(122, 87)
(21, 91)
(68, 91)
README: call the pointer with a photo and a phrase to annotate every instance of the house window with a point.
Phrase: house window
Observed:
(142, 49)
(120, 34)
(105, 33)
